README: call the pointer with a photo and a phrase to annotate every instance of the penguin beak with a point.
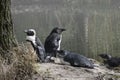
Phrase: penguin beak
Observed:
(25, 31)
(63, 29)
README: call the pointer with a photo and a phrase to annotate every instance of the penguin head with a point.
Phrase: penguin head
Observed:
(105, 56)
(58, 30)
(62, 53)
(31, 34)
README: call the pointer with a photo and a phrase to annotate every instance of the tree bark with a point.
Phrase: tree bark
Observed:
(7, 38)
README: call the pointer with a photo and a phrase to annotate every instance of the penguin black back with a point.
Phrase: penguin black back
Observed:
(109, 60)
(75, 59)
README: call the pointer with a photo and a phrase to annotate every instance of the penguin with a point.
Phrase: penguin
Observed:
(109, 60)
(36, 44)
(53, 41)
(75, 59)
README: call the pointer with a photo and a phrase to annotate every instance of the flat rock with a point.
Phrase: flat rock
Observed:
(52, 71)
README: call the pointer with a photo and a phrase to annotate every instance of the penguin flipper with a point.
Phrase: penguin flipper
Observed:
(38, 42)
(52, 41)
(41, 53)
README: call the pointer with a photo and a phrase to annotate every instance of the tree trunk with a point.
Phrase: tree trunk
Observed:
(7, 38)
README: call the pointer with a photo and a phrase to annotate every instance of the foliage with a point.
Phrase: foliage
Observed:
(16, 64)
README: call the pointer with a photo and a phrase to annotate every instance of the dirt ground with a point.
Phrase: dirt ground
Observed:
(55, 71)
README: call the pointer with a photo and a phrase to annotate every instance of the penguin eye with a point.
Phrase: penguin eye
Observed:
(58, 31)
(30, 33)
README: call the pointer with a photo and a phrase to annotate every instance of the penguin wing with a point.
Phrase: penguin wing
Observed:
(52, 41)
(84, 61)
(41, 53)
(55, 41)
(39, 43)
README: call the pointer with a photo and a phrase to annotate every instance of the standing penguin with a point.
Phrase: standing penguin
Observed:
(36, 43)
(53, 41)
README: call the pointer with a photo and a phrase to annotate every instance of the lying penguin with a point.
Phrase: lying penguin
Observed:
(110, 61)
(36, 43)
(75, 59)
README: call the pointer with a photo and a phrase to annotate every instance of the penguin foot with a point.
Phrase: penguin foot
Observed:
(49, 59)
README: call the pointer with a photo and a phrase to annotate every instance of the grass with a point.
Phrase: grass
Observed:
(17, 64)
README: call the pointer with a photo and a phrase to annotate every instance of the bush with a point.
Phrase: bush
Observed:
(17, 64)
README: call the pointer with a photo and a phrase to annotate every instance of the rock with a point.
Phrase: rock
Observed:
(51, 71)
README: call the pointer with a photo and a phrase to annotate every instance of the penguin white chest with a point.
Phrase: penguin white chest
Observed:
(59, 42)
(32, 39)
